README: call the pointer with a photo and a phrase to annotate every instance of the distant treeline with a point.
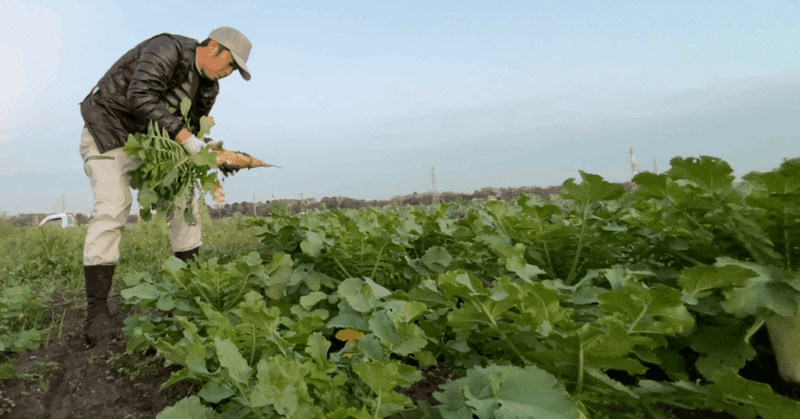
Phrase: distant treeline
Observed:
(297, 206)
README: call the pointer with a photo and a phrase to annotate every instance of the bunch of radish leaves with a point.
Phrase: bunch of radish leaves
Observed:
(168, 173)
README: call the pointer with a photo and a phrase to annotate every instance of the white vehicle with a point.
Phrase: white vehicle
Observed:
(62, 219)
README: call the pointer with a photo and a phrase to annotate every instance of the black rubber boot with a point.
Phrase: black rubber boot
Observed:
(99, 325)
(188, 254)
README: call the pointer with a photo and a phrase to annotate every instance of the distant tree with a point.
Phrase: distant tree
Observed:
(553, 190)
(213, 211)
(507, 194)
(329, 202)
(347, 203)
(448, 196)
(262, 210)
(426, 198)
(81, 219)
(483, 193)
(237, 207)
(27, 220)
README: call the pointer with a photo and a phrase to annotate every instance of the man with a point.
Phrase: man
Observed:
(140, 87)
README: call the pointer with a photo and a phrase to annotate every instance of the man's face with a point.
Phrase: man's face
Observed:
(214, 66)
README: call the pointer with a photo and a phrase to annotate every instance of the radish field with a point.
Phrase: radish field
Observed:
(597, 303)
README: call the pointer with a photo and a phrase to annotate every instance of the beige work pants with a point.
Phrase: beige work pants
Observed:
(109, 175)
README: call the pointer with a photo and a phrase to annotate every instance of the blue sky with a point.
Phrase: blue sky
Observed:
(360, 99)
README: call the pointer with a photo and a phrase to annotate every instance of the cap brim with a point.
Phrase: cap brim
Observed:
(242, 67)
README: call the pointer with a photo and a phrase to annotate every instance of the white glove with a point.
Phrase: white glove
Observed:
(193, 145)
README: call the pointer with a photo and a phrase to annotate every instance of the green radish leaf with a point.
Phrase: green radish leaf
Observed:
(506, 392)
(189, 407)
(308, 301)
(232, 361)
(358, 294)
(592, 189)
(641, 310)
(400, 337)
(186, 103)
(437, 259)
(721, 347)
(215, 392)
(383, 378)
(7, 371)
(141, 292)
(770, 290)
(730, 386)
(699, 282)
(312, 245)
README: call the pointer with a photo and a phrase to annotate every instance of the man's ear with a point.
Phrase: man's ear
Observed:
(213, 47)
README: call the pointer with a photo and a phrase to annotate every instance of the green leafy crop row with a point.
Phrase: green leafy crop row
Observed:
(557, 311)
(21, 315)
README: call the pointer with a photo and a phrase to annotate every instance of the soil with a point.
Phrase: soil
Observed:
(84, 383)
(101, 382)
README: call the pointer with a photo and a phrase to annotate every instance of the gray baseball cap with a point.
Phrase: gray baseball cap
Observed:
(238, 44)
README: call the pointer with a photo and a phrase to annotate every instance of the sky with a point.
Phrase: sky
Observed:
(362, 98)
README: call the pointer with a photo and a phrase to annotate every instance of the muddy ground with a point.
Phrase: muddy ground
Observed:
(68, 380)
(82, 382)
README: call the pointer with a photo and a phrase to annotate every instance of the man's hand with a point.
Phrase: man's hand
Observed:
(215, 145)
(192, 145)
(207, 122)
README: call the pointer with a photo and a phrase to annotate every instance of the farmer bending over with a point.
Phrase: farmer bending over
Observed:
(140, 87)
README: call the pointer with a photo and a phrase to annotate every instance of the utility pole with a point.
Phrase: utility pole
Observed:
(655, 168)
(254, 204)
(634, 166)
(63, 204)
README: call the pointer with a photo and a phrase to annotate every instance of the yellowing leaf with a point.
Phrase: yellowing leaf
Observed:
(349, 335)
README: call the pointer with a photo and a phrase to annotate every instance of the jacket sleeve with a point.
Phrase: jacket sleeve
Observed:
(204, 101)
(157, 63)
